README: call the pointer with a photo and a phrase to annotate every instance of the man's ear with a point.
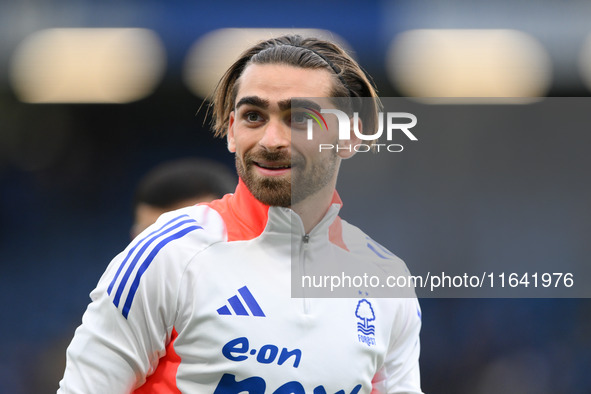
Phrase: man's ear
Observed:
(347, 147)
(230, 134)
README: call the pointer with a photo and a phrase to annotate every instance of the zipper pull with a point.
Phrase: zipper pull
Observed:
(306, 238)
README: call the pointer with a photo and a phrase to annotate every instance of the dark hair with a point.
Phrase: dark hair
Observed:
(295, 50)
(175, 181)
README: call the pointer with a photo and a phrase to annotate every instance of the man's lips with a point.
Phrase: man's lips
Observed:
(272, 168)
(272, 165)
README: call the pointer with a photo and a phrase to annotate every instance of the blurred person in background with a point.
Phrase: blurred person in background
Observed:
(177, 184)
(168, 186)
(201, 302)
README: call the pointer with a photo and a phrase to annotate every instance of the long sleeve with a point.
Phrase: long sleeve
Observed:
(126, 327)
(400, 373)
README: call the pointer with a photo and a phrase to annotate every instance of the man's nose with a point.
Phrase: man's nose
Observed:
(276, 136)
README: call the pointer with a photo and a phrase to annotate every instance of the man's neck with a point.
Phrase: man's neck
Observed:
(312, 209)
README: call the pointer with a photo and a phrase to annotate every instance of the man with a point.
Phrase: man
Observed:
(177, 184)
(200, 302)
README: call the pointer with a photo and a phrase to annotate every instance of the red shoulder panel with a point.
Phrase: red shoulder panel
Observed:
(163, 380)
(245, 216)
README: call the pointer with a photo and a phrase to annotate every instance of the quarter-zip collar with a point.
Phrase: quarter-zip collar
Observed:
(247, 218)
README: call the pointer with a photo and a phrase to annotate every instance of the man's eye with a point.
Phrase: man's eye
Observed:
(252, 117)
(299, 118)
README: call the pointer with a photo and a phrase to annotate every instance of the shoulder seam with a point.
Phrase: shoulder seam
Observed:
(185, 268)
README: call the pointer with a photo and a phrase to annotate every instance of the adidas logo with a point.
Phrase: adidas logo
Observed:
(239, 308)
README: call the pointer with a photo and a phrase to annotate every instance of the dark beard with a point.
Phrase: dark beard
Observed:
(269, 191)
(308, 183)
(279, 192)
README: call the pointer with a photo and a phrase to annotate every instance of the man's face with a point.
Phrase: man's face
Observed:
(260, 134)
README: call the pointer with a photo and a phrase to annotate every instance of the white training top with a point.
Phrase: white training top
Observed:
(200, 302)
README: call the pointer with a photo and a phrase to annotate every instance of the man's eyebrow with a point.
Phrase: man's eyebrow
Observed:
(284, 105)
(298, 103)
(254, 101)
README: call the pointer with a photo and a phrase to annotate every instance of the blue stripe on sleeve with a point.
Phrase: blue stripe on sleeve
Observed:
(148, 261)
(135, 247)
(375, 251)
(138, 256)
(384, 250)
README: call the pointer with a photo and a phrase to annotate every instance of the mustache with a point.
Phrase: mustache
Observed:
(276, 156)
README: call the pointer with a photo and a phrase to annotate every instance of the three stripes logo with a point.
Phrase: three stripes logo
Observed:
(141, 255)
(239, 308)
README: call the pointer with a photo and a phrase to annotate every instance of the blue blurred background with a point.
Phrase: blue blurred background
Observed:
(68, 166)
